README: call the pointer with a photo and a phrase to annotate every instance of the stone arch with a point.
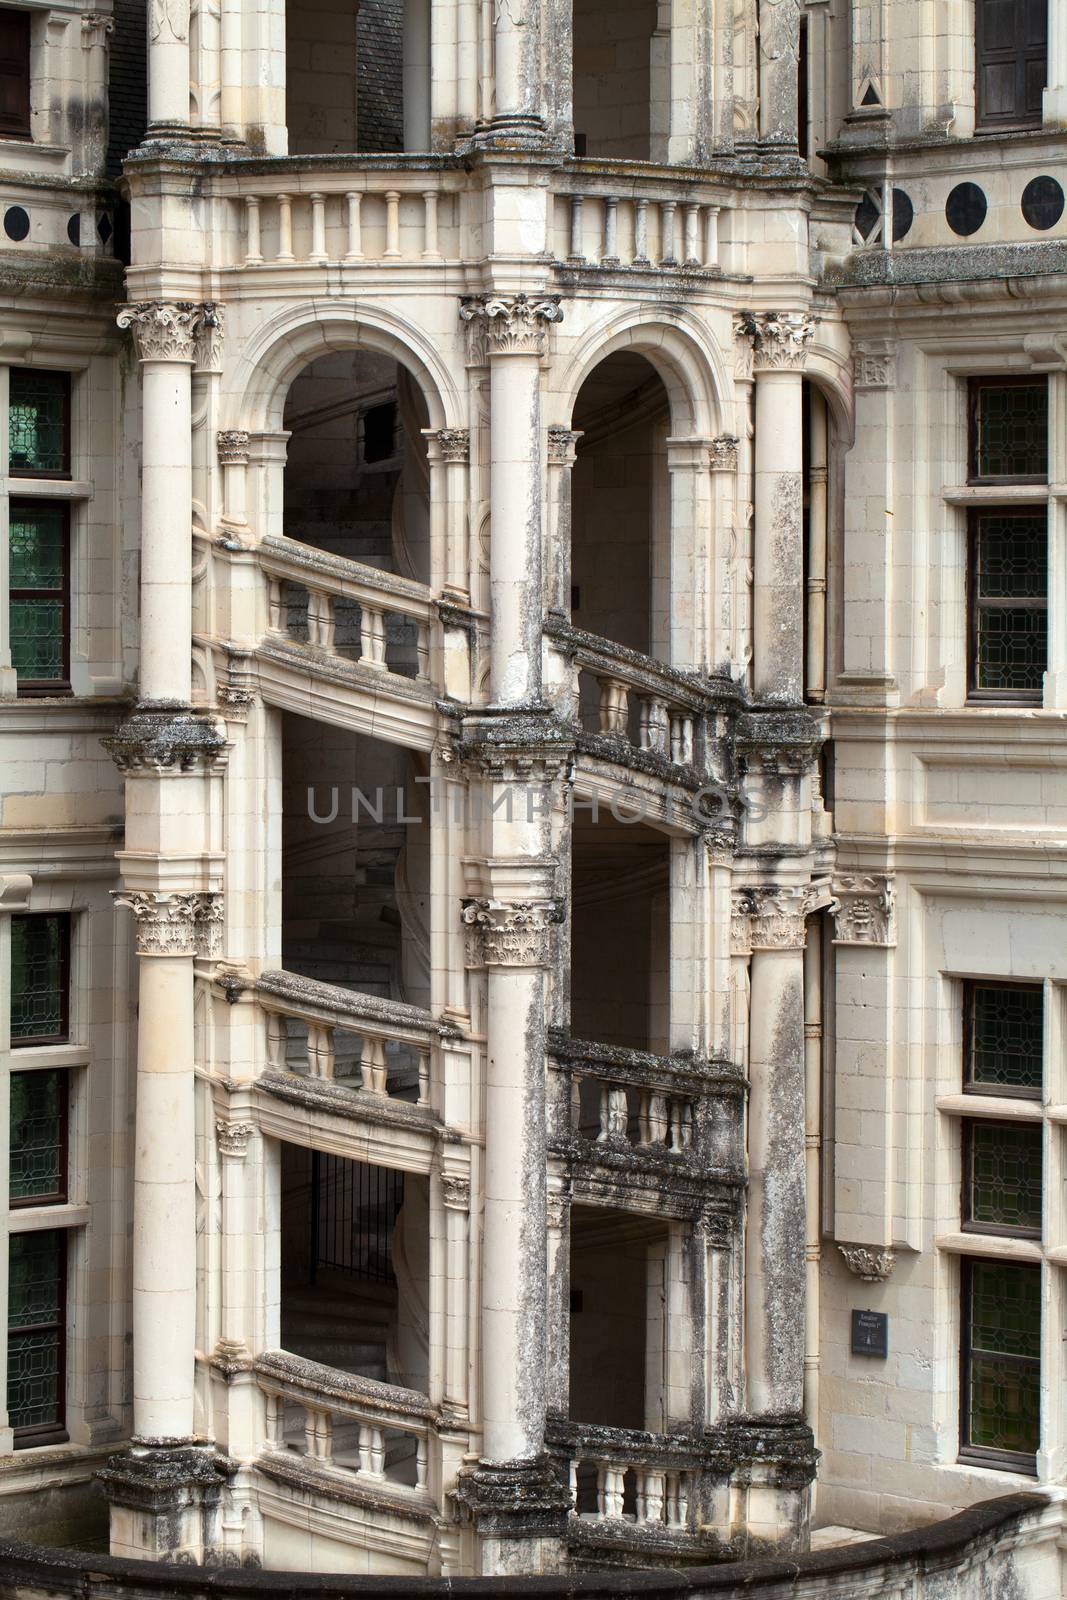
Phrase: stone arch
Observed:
(684, 355)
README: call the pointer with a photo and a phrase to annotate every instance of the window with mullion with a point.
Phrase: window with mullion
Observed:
(39, 1138)
(39, 596)
(40, 979)
(1003, 1039)
(36, 1338)
(1009, 603)
(1002, 1167)
(38, 423)
(1000, 1363)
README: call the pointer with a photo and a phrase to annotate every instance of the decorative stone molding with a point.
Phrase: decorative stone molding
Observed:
(14, 892)
(162, 331)
(722, 453)
(233, 1138)
(503, 935)
(779, 340)
(456, 1191)
(235, 699)
(232, 447)
(862, 908)
(561, 446)
(874, 366)
(172, 924)
(512, 326)
(742, 906)
(169, 17)
(868, 1263)
(96, 29)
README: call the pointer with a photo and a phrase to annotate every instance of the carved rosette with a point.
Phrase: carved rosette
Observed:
(868, 1263)
(515, 325)
(510, 935)
(172, 924)
(562, 443)
(455, 1191)
(778, 340)
(862, 909)
(232, 447)
(233, 1138)
(722, 453)
(874, 366)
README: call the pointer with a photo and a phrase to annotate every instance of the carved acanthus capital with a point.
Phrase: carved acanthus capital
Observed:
(175, 924)
(96, 29)
(456, 1191)
(515, 325)
(867, 1262)
(874, 366)
(778, 339)
(562, 444)
(208, 353)
(778, 919)
(862, 908)
(232, 447)
(162, 331)
(722, 453)
(454, 445)
(233, 1138)
(500, 934)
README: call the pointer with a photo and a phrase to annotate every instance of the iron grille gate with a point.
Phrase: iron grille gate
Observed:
(353, 1209)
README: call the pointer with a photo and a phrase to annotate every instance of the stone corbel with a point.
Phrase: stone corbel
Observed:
(14, 892)
(867, 1262)
(515, 325)
(1046, 351)
(175, 924)
(862, 909)
(778, 340)
(516, 934)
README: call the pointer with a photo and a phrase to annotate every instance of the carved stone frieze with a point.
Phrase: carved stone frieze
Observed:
(862, 908)
(500, 934)
(722, 453)
(233, 1138)
(175, 924)
(867, 1262)
(164, 331)
(454, 445)
(778, 339)
(515, 325)
(232, 447)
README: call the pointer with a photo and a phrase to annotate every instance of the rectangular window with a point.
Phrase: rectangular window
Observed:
(1003, 1039)
(40, 979)
(1011, 51)
(36, 1340)
(1009, 604)
(1002, 1178)
(40, 595)
(1000, 1367)
(38, 1138)
(38, 423)
(14, 75)
(1008, 430)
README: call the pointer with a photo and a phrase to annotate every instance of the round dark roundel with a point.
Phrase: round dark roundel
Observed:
(16, 223)
(74, 228)
(965, 209)
(903, 214)
(1042, 203)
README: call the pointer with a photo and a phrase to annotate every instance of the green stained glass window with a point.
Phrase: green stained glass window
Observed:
(1009, 429)
(37, 1264)
(1002, 1177)
(1009, 580)
(39, 978)
(40, 545)
(1001, 1365)
(39, 423)
(1004, 1039)
(38, 1137)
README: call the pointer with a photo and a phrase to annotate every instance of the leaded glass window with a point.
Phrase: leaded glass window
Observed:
(38, 423)
(1002, 1177)
(1009, 611)
(1000, 1380)
(40, 546)
(39, 979)
(1009, 430)
(1003, 1039)
(38, 1138)
(37, 1267)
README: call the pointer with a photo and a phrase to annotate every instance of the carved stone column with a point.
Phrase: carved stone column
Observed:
(515, 328)
(232, 447)
(779, 343)
(456, 1196)
(453, 458)
(779, 50)
(517, 72)
(168, 68)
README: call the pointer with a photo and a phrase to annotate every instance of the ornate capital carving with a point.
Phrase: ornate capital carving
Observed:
(778, 339)
(862, 908)
(776, 918)
(561, 447)
(233, 1138)
(208, 352)
(558, 1206)
(96, 29)
(503, 935)
(456, 1191)
(512, 326)
(157, 742)
(163, 332)
(170, 924)
(169, 18)
(232, 447)
(722, 453)
(454, 445)
(874, 366)
(872, 1265)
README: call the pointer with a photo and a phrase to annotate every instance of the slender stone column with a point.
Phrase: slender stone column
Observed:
(779, 49)
(456, 1196)
(516, 70)
(779, 348)
(515, 330)
(562, 451)
(168, 67)
(818, 473)
(774, 1268)
(232, 446)
(454, 447)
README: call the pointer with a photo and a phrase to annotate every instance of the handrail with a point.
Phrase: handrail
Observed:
(290, 558)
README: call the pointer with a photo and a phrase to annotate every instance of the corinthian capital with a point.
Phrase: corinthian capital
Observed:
(515, 935)
(166, 332)
(170, 924)
(778, 339)
(513, 326)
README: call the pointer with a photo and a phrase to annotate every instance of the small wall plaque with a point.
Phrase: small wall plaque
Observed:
(870, 1334)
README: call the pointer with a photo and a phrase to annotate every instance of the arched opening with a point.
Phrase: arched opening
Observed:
(620, 506)
(617, 51)
(357, 77)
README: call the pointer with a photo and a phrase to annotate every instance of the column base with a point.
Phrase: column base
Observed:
(162, 734)
(164, 1501)
(774, 1460)
(515, 132)
(519, 1512)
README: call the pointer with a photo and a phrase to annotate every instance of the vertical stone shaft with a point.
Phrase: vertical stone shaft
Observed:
(515, 509)
(778, 574)
(168, 66)
(774, 1277)
(779, 50)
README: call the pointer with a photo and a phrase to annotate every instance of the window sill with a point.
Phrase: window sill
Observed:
(997, 1461)
(29, 1056)
(1002, 1108)
(39, 1219)
(989, 1244)
(994, 494)
(50, 488)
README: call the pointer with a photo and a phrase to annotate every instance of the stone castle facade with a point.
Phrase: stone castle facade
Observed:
(533, 672)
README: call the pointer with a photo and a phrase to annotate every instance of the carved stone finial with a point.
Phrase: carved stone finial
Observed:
(172, 924)
(515, 325)
(503, 935)
(867, 1262)
(166, 332)
(862, 908)
(722, 453)
(778, 339)
(232, 447)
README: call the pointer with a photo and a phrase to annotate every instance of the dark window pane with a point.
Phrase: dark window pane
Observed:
(36, 1273)
(38, 1135)
(1006, 1028)
(1006, 1309)
(38, 545)
(1012, 650)
(39, 405)
(37, 640)
(1005, 1405)
(1012, 555)
(1009, 580)
(1010, 430)
(1001, 1357)
(38, 977)
(1002, 1187)
(38, 604)
(14, 74)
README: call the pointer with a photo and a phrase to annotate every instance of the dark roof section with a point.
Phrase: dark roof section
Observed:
(380, 91)
(127, 82)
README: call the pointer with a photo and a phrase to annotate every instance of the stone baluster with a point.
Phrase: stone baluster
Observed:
(373, 1065)
(683, 751)
(658, 1119)
(692, 235)
(422, 651)
(285, 228)
(667, 257)
(610, 251)
(371, 1452)
(277, 1042)
(318, 1434)
(353, 204)
(577, 252)
(273, 1419)
(711, 236)
(424, 1078)
(276, 608)
(320, 1050)
(392, 225)
(371, 636)
(317, 255)
(654, 725)
(612, 1493)
(321, 623)
(421, 1461)
(653, 1496)
(614, 706)
(253, 246)
(431, 250)
(641, 256)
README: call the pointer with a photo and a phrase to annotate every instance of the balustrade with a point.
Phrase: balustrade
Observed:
(644, 1495)
(637, 230)
(347, 223)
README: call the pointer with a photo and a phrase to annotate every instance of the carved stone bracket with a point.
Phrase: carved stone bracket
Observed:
(510, 935)
(862, 909)
(722, 453)
(454, 445)
(874, 366)
(868, 1263)
(232, 446)
(456, 1191)
(166, 332)
(778, 340)
(172, 924)
(562, 443)
(515, 325)
(233, 1138)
